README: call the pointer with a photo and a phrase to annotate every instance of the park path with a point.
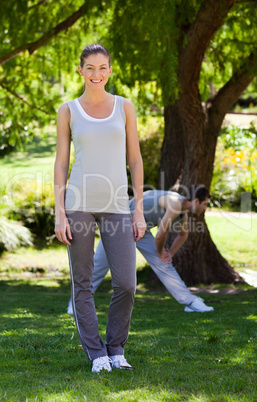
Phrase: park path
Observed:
(241, 119)
(250, 276)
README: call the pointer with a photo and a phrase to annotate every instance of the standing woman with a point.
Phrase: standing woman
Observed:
(104, 131)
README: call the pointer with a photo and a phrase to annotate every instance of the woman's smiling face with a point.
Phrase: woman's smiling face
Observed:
(96, 70)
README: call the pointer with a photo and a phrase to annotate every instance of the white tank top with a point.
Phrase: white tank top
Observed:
(98, 180)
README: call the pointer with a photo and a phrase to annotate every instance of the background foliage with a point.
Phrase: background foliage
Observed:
(33, 86)
(143, 39)
(235, 170)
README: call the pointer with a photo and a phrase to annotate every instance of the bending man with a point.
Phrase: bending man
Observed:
(163, 209)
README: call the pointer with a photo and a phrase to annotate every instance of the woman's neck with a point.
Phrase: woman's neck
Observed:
(90, 96)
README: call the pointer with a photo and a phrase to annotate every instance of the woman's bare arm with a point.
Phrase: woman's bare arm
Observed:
(136, 168)
(61, 168)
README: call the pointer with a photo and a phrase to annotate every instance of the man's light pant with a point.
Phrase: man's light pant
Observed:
(165, 272)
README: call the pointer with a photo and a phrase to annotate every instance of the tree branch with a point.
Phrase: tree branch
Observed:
(37, 4)
(32, 46)
(209, 18)
(244, 1)
(226, 97)
(22, 99)
(240, 42)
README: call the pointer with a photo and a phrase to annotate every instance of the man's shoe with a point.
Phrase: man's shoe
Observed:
(119, 361)
(101, 363)
(198, 306)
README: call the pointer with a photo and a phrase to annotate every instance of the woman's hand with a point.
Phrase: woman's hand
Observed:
(165, 256)
(139, 225)
(62, 228)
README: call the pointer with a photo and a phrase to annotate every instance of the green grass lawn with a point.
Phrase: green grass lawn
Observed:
(38, 158)
(177, 356)
(235, 237)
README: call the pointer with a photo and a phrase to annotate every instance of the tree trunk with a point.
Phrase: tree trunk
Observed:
(191, 132)
(192, 142)
(199, 261)
(170, 171)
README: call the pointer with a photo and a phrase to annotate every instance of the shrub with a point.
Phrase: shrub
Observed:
(151, 133)
(13, 235)
(35, 209)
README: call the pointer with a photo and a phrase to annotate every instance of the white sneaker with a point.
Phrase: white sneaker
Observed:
(70, 308)
(198, 306)
(101, 363)
(119, 361)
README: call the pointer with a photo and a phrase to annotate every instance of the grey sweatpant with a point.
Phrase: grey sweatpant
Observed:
(117, 237)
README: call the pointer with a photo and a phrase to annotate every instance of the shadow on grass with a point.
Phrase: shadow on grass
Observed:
(177, 356)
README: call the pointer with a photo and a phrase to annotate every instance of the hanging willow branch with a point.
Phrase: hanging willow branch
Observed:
(22, 99)
(32, 46)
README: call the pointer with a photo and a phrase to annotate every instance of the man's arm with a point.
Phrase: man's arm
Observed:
(172, 205)
(181, 237)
